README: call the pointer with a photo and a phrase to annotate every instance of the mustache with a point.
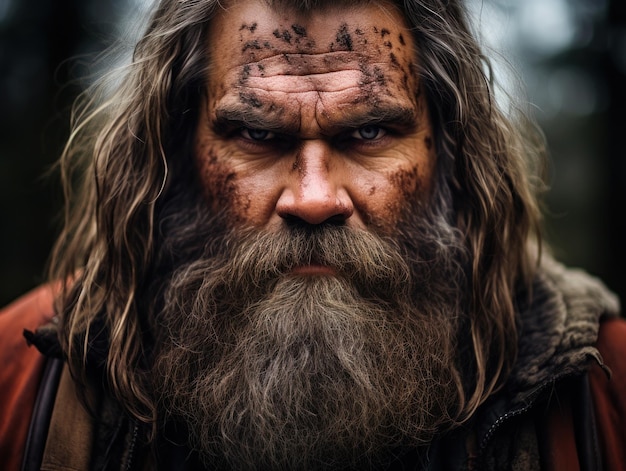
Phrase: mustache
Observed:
(252, 261)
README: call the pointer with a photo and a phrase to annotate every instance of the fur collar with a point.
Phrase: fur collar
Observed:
(558, 328)
(558, 323)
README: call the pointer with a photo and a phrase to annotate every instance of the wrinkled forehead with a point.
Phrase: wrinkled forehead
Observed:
(251, 30)
(312, 5)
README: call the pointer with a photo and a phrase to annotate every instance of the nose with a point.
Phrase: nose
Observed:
(315, 193)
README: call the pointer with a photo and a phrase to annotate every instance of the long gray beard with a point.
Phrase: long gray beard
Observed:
(274, 371)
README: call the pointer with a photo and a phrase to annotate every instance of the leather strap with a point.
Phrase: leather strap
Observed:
(587, 442)
(70, 437)
(42, 412)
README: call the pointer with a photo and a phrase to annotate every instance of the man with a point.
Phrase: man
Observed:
(306, 238)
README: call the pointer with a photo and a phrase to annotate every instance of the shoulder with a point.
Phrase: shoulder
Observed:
(612, 342)
(609, 392)
(28, 312)
(31, 309)
(21, 369)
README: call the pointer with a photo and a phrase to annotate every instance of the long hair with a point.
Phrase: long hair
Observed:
(130, 150)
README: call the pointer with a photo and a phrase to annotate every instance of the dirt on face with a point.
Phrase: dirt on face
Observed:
(322, 78)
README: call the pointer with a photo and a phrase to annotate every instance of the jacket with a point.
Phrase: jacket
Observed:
(562, 407)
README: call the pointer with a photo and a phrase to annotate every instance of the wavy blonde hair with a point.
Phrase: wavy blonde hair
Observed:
(131, 144)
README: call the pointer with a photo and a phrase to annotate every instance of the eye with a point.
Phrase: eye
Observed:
(369, 133)
(257, 134)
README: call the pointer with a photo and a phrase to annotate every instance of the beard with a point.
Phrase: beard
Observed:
(267, 369)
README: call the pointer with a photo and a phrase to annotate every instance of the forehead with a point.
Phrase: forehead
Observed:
(325, 60)
(250, 31)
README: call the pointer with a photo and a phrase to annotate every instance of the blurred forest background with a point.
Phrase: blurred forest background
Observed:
(571, 55)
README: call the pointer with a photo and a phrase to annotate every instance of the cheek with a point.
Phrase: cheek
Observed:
(245, 195)
(386, 198)
(218, 180)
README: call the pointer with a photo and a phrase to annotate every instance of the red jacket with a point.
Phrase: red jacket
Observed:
(20, 372)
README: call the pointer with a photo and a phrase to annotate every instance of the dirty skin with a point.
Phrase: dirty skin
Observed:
(343, 38)
(295, 34)
(374, 82)
(220, 189)
(285, 35)
(297, 164)
(251, 28)
(299, 30)
(273, 62)
(406, 181)
(250, 99)
(374, 79)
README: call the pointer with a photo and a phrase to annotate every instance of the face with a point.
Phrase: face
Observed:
(313, 117)
(313, 139)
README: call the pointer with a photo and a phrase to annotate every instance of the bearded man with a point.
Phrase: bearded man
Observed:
(305, 237)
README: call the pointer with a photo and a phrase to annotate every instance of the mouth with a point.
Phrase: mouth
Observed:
(313, 269)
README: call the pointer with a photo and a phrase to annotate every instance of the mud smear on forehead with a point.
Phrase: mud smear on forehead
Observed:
(294, 34)
(343, 38)
(252, 45)
(285, 35)
(251, 28)
(250, 99)
(299, 30)
(373, 84)
(376, 81)
(247, 97)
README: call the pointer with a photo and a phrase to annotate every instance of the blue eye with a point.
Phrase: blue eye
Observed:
(257, 134)
(369, 133)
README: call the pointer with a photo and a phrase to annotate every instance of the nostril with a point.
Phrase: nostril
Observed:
(294, 221)
(314, 209)
(336, 220)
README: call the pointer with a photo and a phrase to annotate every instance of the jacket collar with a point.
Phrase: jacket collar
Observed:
(558, 322)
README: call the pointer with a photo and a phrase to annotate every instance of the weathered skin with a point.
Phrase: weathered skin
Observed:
(314, 117)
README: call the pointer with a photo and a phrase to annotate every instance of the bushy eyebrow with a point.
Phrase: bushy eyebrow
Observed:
(236, 116)
(392, 115)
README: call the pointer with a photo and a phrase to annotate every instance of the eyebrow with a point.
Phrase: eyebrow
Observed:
(390, 114)
(249, 117)
(394, 115)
